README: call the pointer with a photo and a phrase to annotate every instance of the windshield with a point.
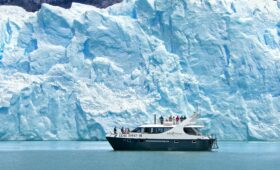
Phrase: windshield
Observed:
(192, 131)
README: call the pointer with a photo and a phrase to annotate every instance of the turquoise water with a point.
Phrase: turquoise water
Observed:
(100, 156)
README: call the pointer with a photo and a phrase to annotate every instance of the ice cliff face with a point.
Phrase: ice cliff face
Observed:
(35, 5)
(73, 74)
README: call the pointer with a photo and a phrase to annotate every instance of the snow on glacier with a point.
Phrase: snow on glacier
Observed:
(73, 74)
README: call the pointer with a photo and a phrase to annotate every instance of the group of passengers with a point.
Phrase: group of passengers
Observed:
(123, 130)
(174, 119)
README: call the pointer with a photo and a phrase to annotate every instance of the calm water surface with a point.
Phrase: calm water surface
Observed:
(100, 156)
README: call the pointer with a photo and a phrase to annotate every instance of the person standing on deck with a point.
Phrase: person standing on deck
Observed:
(115, 130)
(161, 119)
(177, 119)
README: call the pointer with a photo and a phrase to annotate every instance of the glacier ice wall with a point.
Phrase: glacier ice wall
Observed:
(73, 74)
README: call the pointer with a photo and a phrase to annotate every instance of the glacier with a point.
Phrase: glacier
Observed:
(74, 74)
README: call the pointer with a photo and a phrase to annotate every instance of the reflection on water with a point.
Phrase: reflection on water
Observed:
(99, 155)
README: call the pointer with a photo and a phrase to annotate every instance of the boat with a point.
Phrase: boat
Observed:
(165, 136)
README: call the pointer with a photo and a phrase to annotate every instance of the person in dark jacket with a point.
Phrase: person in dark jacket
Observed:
(115, 130)
(181, 118)
(161, 119)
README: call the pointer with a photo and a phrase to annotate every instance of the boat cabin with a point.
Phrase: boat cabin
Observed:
(155, 129)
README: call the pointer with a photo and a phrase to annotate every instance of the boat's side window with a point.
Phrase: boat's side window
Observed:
(137, 130)
(197, 131)
(167, 129)
(148, 130)
(152, 129)
(158, 130)
(190, 131)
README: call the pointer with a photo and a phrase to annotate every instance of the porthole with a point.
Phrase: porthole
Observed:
(193, 141)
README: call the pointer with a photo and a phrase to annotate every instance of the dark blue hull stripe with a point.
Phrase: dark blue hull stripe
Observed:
(160, 144)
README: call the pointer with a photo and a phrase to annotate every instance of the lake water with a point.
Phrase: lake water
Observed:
(100, 156)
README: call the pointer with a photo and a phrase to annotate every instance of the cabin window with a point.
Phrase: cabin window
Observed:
(148, 130)
(167, 129)
(190, 131)
(176, 141)
(160, 129)
(197, 131)
(137, 130)
(151, 129)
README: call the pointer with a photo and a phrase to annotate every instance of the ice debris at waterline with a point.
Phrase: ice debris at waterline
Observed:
(73, 74)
